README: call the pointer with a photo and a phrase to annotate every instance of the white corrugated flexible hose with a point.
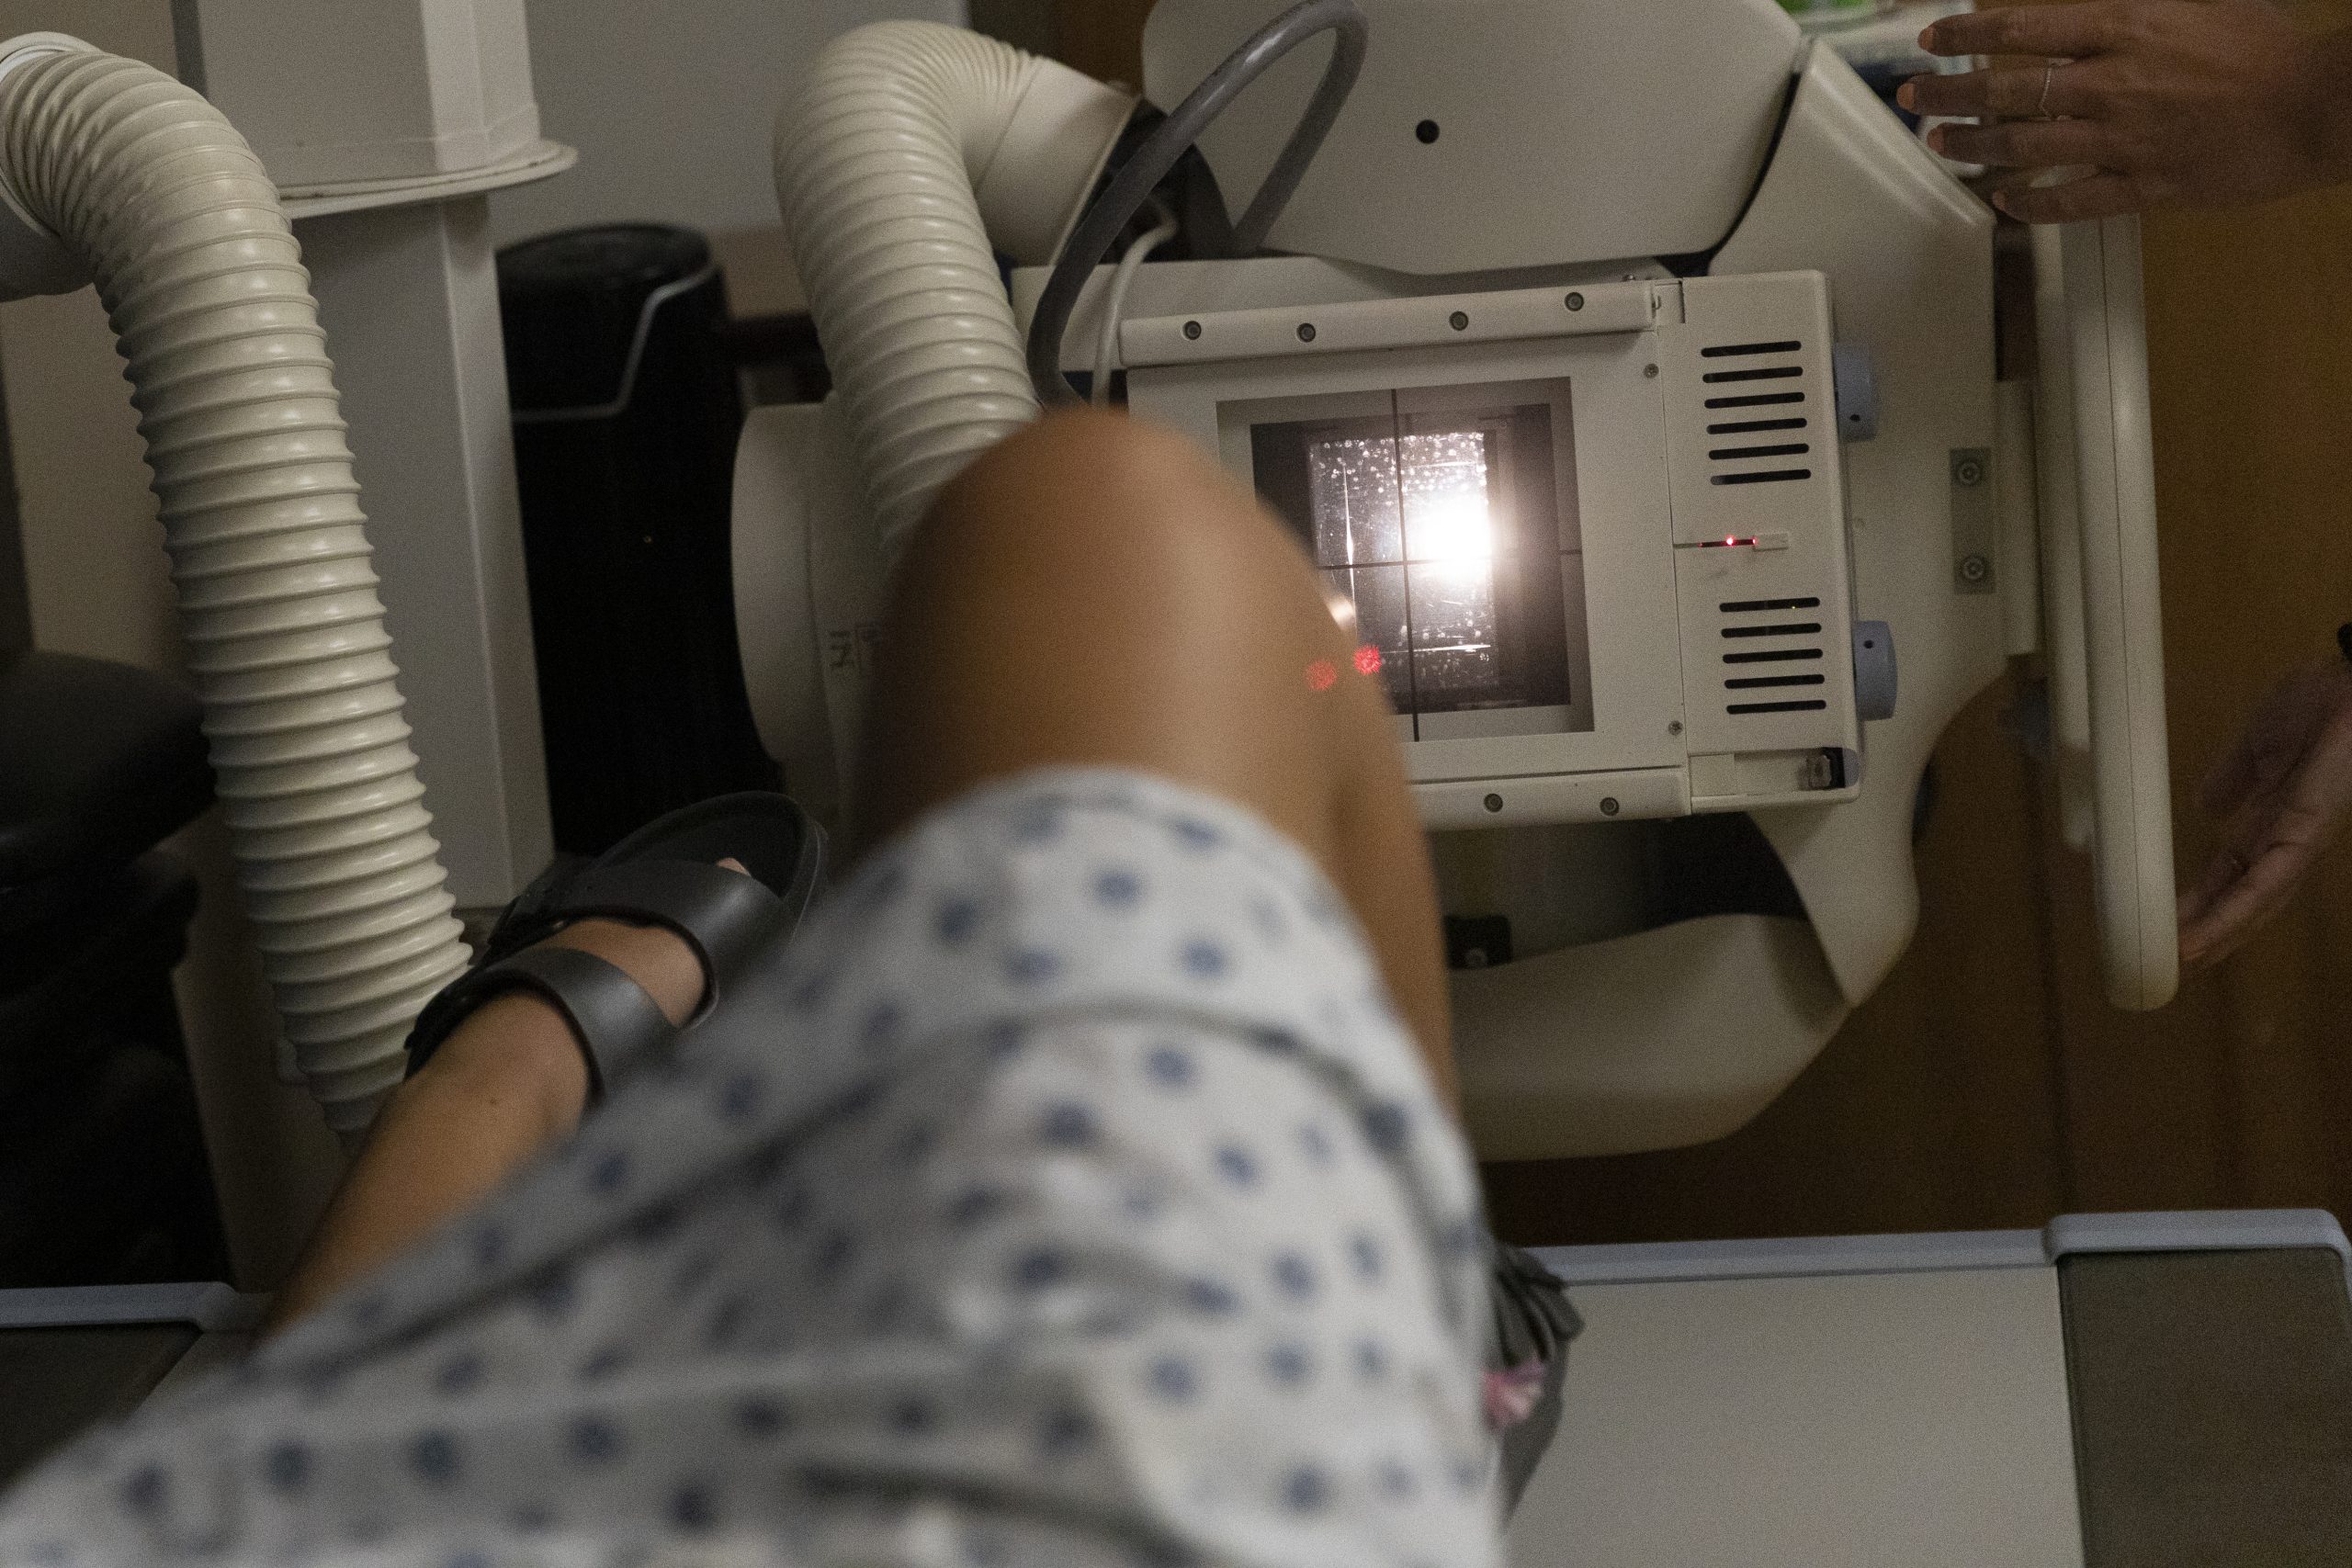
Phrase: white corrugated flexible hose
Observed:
(154, 196)
(912, 155)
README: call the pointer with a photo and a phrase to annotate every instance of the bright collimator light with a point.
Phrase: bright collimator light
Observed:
(1457, 529)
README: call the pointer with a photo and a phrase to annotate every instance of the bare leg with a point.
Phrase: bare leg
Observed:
(1096, 591)
(509, 1082)
(1093, 592)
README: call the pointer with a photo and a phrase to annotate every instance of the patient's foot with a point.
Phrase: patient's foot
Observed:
(510, 1081)
(522, 1042)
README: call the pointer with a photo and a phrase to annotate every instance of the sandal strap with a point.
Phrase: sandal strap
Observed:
(617, 1024)
(1534, 1319)
(723, 914)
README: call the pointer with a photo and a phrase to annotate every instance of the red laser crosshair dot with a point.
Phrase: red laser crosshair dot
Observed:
(1368, 660)
(1322, 675)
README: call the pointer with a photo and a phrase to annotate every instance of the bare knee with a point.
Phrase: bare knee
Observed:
(1086, 439)
(1095, 591)
(1130, 536)
(1081, 482)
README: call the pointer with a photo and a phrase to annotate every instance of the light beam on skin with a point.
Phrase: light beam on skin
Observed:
(1324, 674)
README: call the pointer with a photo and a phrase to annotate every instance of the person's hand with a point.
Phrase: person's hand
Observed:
(2197, 103)
(2285, 789)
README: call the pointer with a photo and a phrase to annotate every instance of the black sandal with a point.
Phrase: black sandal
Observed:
(1533, 1325)
(665, 873)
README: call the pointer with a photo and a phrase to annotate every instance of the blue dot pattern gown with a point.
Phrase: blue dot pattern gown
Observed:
(1068, 1192)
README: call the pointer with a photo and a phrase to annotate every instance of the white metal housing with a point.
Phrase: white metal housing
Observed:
(1612, 1028)
(1563, 134)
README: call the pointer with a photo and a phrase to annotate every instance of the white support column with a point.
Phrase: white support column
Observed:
(409, 297)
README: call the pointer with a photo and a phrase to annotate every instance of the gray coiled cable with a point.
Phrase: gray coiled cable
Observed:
(1116, 207)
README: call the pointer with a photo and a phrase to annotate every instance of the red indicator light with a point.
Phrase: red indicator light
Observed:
(1322, 675)
(1368, 660)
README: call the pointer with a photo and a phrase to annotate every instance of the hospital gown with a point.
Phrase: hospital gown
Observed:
(1067, 1192)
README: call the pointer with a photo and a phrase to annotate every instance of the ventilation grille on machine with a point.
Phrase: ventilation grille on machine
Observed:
(1772, 657)
(1760, 420)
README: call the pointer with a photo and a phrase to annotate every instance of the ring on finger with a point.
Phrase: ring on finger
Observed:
(2048, 75)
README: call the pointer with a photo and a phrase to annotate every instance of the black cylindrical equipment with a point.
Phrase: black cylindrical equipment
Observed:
(625, 418)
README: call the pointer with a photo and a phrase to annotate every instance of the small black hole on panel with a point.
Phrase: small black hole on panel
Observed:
(1428, 131)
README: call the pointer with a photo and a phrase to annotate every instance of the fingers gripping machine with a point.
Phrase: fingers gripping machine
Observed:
(1629, 370)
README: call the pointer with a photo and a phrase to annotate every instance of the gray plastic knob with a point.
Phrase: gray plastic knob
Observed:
(1874, 673)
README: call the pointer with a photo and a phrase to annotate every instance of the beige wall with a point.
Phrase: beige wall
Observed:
(672, 109)
(96, 574)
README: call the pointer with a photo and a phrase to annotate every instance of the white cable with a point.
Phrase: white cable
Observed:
(159, 200)
(1115, 304)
